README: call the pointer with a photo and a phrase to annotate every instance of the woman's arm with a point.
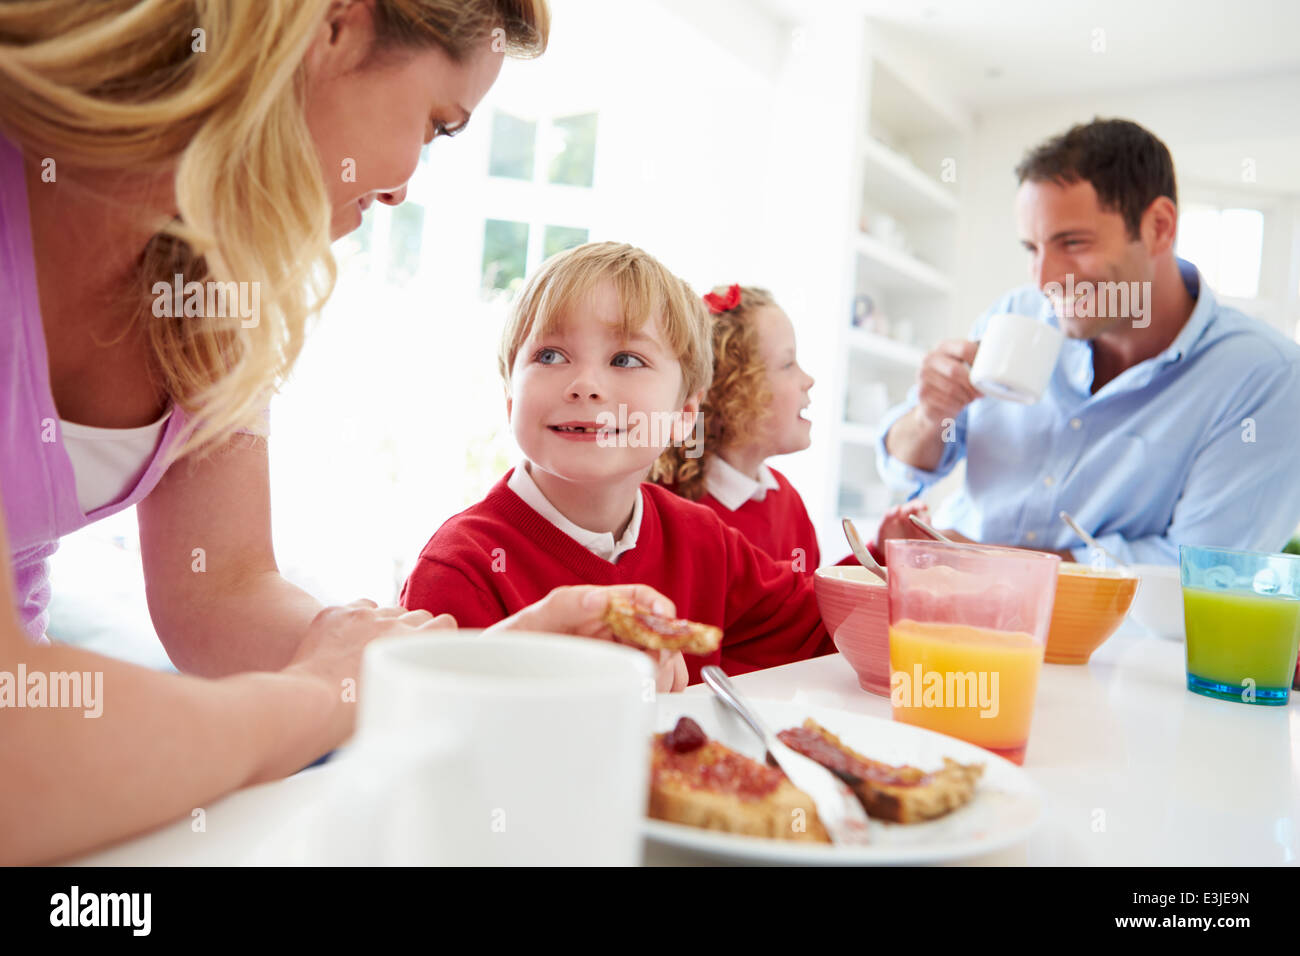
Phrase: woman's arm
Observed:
(160, 745)
(215, 594)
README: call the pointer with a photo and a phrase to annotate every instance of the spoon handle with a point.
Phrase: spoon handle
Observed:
(861, 553)
(937, 535)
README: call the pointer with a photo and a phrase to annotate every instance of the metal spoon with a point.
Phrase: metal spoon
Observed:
(861, 553)
(937, 535)
(1090, 541)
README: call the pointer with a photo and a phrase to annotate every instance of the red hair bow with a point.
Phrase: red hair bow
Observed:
(723, 303)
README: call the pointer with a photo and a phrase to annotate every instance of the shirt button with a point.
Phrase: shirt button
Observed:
(1076, 424)
(1049, 481)
(1031, 536)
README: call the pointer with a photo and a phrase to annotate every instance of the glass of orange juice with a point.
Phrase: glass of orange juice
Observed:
(967, 629)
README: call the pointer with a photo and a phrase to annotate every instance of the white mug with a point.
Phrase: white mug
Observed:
(511, 749)
(1015, 358)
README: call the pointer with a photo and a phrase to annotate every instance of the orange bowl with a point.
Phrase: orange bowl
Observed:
(1090, 603)
(855, 609)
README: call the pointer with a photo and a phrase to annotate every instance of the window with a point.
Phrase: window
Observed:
(505, 254)
(558, 238)
(1226, 244)
(572, 141)
(513, 139)
(556, 151)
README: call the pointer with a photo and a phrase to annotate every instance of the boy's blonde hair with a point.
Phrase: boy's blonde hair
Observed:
(738, 396)
(645, 288)
(125, 85)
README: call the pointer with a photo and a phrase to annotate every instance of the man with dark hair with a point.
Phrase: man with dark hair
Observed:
(1169, 418)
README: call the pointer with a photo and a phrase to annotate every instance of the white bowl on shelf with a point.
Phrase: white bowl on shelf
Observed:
(1158, 605)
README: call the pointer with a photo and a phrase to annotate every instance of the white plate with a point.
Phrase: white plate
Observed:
(1007, 804)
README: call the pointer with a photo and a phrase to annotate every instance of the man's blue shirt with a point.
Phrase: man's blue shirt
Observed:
(1197, 445)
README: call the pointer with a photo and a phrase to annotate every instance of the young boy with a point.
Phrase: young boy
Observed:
(605, 357)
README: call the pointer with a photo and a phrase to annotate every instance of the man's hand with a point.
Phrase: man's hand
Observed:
(895, 524)
(943, 390)
(580, 610)
(944, 387)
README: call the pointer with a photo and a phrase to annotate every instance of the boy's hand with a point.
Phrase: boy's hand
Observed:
(671, 675)
(580, 610)
(895, 524)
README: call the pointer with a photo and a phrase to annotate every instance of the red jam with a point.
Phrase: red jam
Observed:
(663, 626)
(685, 737)
(708, 765)
(814, 746)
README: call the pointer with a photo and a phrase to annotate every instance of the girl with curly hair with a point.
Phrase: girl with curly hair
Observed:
(753, 411)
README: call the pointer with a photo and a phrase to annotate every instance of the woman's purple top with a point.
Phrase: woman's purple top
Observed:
(37, 482)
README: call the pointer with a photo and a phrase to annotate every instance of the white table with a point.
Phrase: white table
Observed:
(1136, 770)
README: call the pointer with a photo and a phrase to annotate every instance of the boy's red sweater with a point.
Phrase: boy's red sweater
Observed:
(500, 555)
(778, 524)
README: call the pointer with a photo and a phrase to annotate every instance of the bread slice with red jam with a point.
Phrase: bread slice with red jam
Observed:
(902, 794)
(655, 632)
(702, 783)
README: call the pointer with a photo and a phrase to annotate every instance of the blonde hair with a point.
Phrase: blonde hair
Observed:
(645, 288)
(117, 84)
(738, 397)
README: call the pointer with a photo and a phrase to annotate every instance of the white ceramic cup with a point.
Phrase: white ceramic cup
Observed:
(1015, 358)
(511, 749)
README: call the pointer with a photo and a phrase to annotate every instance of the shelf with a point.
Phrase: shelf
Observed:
(908, 106)
(895, 184)
(887, 269)
(888, 350)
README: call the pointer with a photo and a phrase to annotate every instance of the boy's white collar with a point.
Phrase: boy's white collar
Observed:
(599, 543)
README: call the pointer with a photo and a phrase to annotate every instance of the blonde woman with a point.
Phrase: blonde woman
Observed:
(226, 142)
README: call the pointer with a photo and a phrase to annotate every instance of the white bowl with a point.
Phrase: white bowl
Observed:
(1158, 605)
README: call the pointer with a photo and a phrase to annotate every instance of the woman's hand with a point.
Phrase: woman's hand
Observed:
(336, 637)
(580, 610)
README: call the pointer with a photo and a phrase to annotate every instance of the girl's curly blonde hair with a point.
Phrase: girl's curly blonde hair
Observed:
(737, 401)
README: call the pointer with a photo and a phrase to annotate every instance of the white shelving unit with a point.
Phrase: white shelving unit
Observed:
(911, 189)
(911, 141)
(885, 349)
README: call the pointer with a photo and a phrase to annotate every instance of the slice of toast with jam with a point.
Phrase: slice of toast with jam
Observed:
(902, 794)
(702, 783)
(657, 633)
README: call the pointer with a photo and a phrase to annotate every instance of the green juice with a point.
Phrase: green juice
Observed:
(1233, 636)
